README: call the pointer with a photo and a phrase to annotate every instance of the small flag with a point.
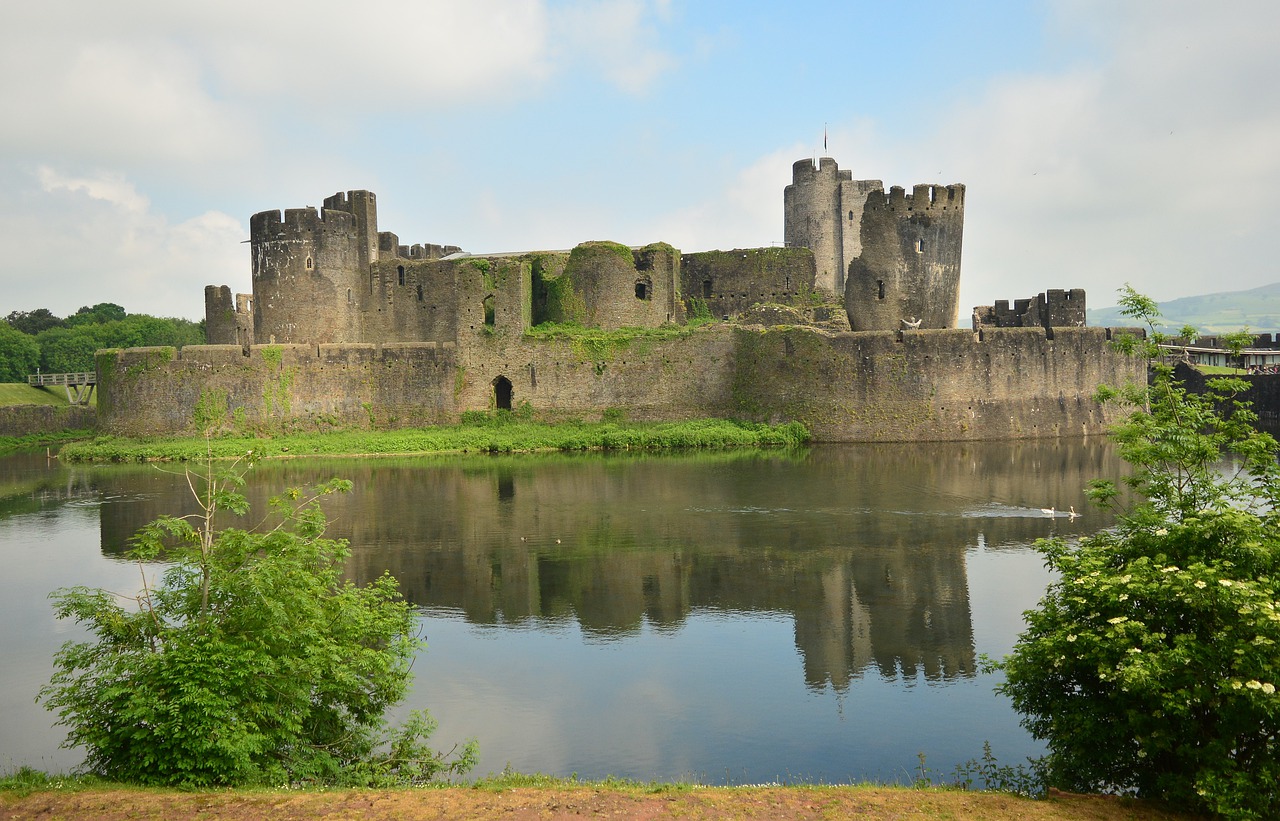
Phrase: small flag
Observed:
(824, 138)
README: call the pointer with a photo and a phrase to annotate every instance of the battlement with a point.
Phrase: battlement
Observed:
(924, 198)
(351, 201)
(267, 226)
(1055, 308)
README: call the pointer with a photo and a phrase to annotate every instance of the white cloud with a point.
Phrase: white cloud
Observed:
(407, 52)
(745, 213)
(73, 241)
(112, 188)
(617, 37)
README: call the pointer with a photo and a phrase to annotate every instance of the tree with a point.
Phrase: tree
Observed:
(1151, 666)
(252, 661)
(97, 314)
(33, 322)
(1235, 343)
(71, 349)
(19, 354)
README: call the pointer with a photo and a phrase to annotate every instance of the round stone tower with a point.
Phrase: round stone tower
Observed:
(311, 270)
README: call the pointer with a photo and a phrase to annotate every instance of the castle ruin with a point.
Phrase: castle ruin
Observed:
(851, 328)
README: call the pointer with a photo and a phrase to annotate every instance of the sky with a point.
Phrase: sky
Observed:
(1102, 142)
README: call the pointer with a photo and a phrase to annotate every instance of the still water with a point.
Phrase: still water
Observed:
(737, 617)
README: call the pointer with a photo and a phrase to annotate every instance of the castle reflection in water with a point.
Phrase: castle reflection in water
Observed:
(864, 547)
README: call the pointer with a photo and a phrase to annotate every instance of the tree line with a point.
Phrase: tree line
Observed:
(40, 341)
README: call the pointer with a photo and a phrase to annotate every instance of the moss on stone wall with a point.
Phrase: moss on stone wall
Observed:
(209, 416)
(561, 304)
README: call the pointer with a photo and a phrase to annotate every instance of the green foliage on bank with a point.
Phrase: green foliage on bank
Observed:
(31, 340)
(1152, 664)
(251, 662)
(500, 432)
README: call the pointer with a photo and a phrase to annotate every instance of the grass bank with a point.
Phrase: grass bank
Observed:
(35, 441)
(20, 393)
(501, 433)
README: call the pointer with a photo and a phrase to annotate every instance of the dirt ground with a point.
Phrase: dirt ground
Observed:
(781, 803)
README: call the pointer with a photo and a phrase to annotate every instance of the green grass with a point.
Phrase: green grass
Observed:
(18, 393)
(500, 433)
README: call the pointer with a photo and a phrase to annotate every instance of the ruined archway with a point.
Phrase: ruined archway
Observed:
(502, 393)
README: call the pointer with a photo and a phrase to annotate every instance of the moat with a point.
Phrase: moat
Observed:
(736, 617)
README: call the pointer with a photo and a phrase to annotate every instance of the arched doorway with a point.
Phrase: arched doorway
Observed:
(502, 393)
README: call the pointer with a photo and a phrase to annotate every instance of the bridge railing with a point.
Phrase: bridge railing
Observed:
(42, 379)
(79, 386)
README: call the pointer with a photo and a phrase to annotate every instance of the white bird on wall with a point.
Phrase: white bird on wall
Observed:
(913, 324)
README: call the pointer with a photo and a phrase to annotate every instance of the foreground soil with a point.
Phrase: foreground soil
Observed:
(783, 803)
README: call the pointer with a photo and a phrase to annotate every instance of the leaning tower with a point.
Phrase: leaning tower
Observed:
(894, 259)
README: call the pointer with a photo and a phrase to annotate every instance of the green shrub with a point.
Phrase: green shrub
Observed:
(1151, 665)
(251, 662)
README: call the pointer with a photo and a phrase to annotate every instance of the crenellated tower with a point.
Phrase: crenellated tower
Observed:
(908, 274)
(895, 259)
(311, 269)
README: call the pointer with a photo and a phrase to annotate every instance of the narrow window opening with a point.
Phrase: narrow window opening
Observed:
(400, 272)
(310, 264)
(350, 299)
(850, 216)
(880, 288)
(706, 289)
(502, 393)
(488, 311)
(642, 290)
(419, 291)
(919, 246)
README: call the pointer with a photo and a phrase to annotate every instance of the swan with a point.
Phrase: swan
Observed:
(1048, 511)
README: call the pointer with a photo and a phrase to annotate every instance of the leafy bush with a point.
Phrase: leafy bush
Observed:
(252, 662)
(1151, 664)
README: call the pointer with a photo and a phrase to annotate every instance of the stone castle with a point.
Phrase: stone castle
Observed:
(850, 328)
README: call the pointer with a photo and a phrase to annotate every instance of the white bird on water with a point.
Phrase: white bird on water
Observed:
(1048, 511)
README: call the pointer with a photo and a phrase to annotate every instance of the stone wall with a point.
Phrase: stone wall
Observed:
(24, 420)
(273, 388)
(930, 385)
(847, 387)
(730, 282)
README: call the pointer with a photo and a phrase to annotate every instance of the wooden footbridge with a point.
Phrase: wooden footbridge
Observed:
(79, 386)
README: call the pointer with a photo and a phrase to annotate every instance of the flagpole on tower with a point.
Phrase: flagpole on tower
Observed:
(824, 138)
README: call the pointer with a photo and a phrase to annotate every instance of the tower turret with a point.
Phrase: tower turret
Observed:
(908, 274)
(311, 269)
(893, 259)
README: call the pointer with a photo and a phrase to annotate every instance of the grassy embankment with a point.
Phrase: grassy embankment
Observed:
(502, 433)
(19, 393)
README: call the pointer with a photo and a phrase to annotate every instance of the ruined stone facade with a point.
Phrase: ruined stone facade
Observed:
(851, 330)
(895, 258)
(1052, 309)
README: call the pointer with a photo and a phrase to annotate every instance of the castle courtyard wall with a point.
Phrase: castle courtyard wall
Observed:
(935, 385)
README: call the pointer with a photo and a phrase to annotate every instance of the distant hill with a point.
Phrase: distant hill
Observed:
(1258, 308)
